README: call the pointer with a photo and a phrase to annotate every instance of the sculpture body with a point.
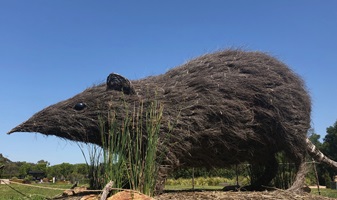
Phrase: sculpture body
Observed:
(228, 107)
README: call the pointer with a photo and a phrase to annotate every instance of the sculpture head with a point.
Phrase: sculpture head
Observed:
(77, 118)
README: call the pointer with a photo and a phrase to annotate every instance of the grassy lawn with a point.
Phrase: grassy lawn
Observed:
(325, 192)
(18, 192)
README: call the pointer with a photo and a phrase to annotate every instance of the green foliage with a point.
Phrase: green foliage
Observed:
(286, 172)
(28, 179)
(3, 161)
(11, 169)
(41, 165)
(24, 169)
(330, 142)
(64, 171)
(81, 169)
(310, 178)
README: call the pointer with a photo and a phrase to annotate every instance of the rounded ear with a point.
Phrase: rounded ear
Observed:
(119, 83)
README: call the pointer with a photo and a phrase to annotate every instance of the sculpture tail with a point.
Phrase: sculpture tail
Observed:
(317, 155)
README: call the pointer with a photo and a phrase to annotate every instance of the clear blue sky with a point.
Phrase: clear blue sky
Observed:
(52, 50)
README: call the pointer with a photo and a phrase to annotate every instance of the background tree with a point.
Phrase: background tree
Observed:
(64, 171)
(24, 169)
(3, 163)
(11, 170)
(330, 142)
(314, 138)
(60, 171)
(41, 165)
(329, 146)
(80, 173)
(81, 169)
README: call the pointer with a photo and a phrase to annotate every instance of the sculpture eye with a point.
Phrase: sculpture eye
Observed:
(80, 106)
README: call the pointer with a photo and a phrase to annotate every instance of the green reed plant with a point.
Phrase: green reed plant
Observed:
(114, 145)
(142, 149)
(94, 165)
(129, 148)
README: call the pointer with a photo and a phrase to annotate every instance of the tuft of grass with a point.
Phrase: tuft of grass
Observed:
(94, 166)
(129, 153)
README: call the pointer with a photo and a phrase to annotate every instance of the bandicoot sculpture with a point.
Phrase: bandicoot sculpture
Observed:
(228, 107)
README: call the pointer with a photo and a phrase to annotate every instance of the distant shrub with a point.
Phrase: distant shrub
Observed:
(15, 179)
(28, 179)
(201, 181)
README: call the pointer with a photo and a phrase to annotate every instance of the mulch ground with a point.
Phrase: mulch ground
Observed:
(196, 195)
(279, 194)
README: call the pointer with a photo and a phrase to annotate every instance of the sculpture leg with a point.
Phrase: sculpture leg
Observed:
(300, 176)
(161, 179)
